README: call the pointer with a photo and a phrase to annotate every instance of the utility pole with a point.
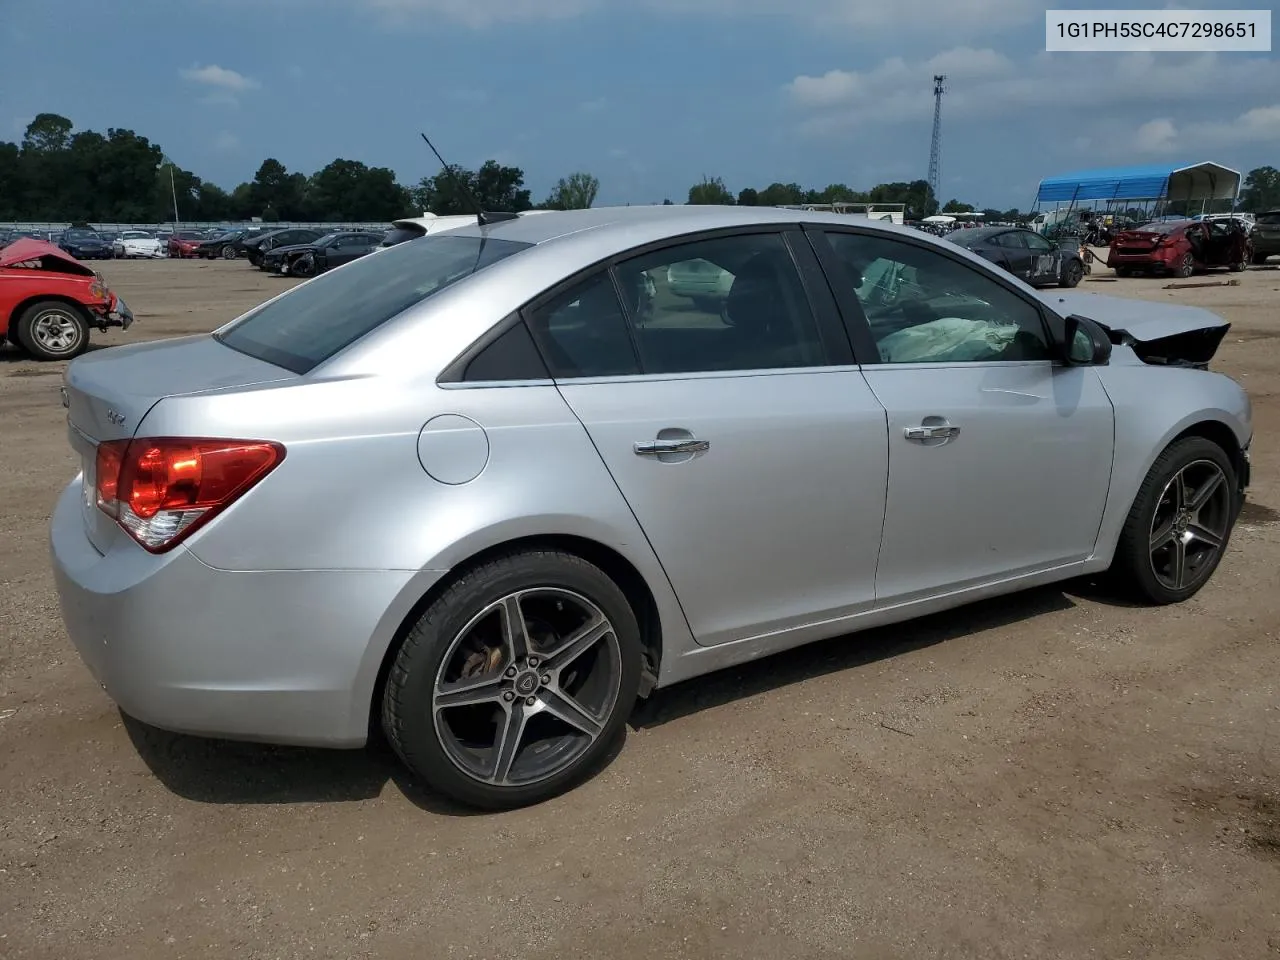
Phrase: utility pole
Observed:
(173, 190)
(935, 149)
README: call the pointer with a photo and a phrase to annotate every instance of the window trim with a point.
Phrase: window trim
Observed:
(864, 343)
(825, 308)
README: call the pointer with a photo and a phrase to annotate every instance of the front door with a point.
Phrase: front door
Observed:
(999, 458)
(756, 470)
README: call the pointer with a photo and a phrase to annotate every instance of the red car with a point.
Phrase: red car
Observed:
(49, 300)
(1180, 247)
(184, 243)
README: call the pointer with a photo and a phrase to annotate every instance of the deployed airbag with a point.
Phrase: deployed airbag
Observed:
(947, 339)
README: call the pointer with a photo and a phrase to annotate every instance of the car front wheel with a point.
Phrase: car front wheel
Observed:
(515, 682)
(1178, 527)
(53, 330)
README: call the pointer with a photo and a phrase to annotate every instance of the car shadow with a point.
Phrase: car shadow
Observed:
(231, 772)
(852, 651)
(12, 354)
(223, 771)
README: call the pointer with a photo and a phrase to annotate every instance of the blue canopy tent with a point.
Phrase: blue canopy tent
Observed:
(1162, 183)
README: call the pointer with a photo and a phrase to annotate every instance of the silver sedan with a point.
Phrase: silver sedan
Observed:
(490, 486)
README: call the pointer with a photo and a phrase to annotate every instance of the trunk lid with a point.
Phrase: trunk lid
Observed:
(108, 393)
(1137, 241)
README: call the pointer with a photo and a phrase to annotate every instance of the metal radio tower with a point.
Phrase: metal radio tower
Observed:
(935, 149)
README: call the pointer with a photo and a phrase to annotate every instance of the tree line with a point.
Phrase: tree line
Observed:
(59, 174)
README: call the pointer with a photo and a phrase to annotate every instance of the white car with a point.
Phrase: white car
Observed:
(137, 243)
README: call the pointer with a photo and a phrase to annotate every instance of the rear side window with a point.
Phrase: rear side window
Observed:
(582, 332)
(315, 320)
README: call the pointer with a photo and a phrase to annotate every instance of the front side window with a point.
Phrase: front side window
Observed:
(729, 303)
(1037, 243)
(315, 320)
(923, 307)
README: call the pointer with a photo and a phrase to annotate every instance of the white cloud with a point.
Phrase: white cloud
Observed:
(226, 140)
(1156, 136)
(972, 17)
(984, 84)
(1163, 136)
(220, 78)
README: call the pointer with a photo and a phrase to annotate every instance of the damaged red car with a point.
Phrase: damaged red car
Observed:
(49, 300)
(1180, 248)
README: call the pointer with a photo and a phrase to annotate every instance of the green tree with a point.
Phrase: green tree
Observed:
(349, 190)
(781, 194)
(748, 197)
(955, 206)
(1260, 191)
(710, 191)
(497, 188)
(575, 192)
(12, 186)
(277, 194)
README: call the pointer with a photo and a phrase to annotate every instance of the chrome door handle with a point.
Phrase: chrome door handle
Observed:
(931, 433)
(652, 448)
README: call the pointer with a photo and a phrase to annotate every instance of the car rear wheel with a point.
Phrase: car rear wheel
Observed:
(1179, 524)
(53, 330)
(1072, 274)
(1123, 272)
(516, 681)
(1259, 258)
(1186, 266)
(228, 252)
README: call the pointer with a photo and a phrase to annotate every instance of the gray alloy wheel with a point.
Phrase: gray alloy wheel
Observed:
(523, 661)
(1179, 525)
(1190, 527)
(53, 330)
(516, 681)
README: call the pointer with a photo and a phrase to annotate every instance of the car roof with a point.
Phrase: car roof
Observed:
(624, 225)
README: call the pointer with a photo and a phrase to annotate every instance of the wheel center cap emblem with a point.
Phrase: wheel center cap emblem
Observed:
(526, 683)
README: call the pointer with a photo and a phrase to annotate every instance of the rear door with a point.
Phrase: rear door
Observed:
(748, 446)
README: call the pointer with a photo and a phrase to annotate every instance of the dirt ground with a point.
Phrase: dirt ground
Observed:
(1047, 775)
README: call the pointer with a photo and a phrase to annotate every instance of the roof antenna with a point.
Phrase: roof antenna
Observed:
(484, 219)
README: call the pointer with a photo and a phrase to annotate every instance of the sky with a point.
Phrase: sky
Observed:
(648, 95)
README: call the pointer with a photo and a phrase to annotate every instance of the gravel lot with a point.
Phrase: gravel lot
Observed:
(1047, 775)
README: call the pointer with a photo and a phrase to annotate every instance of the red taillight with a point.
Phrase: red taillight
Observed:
(160, 489)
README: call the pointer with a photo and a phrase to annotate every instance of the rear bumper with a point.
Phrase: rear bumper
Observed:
(278, 656)
(1267, 245)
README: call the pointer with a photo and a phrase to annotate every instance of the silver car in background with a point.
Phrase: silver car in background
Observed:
(490, 486)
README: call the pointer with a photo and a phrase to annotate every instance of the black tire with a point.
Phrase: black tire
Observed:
(1123, 272)
(1259, 259)
(303, 266)
(409, 695)
(1186, 267)
(228, 252)
(1072, 274)
(1133, 568)
(53, 330)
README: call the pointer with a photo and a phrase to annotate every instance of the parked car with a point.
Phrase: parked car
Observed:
(49, 300)
(184, 243)
(701, 281)
(255, 247)
(1180, 247)
(84, 244)
(1266, 236)
(1024, 253)
(132, 244)
(109, 237)
(411, 228)
(227, 245)
(331, 250)
(484, 504)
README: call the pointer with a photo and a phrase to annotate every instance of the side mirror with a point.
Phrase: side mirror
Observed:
(1085, 342)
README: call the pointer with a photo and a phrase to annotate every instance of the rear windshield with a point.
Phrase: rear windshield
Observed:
(398, 235)
(1272, 216)
(314, 321)
(968, 238)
